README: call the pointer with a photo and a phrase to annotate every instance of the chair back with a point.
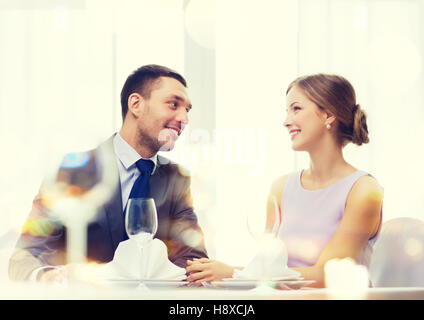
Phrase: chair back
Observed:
(398, 257)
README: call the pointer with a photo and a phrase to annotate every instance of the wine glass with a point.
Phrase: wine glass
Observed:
(264, 229)
(75, 186)
(264, 226)
(141, 222)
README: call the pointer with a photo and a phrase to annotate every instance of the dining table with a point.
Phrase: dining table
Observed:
(138, 291)
(201, 302)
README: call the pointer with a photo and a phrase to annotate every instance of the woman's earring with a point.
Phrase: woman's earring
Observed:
(328, 126)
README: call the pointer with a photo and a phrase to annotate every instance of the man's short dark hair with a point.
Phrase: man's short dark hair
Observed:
(142, 81)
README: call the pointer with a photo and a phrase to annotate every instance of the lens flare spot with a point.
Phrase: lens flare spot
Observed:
(40, 227)
(376, 196)
(75, 160)
(414, 248)
(74, 191)
(191, 238)
(183, 171)
(345, 279)
(265, 287)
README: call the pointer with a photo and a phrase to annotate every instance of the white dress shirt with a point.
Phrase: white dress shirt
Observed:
(126, 157)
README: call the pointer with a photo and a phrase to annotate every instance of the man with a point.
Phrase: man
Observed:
(155, 108)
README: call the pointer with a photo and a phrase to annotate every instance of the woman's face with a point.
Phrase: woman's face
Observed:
(305, 122)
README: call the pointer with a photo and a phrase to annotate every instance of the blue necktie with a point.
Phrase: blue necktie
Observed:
(140, 188)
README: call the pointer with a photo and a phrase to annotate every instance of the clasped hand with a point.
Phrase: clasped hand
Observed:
(207, 270)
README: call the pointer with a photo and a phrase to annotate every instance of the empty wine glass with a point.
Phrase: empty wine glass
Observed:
(264, 226)
(141, 224)
(141, 220)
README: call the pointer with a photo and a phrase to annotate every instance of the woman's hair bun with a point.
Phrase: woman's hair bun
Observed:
(360, 128)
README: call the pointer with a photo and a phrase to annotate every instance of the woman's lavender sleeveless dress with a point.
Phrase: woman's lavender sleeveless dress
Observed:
(311, 217)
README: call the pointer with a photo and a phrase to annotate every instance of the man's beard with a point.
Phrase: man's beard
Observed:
(163, 142)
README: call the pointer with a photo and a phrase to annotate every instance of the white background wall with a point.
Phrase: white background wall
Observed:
(63, 63)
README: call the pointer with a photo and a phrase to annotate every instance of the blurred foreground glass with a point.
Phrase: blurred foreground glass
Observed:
(73, 191)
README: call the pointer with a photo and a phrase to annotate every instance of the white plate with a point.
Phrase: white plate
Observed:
(291, 277)
(249, 284)
(148, 283)
(164, 283)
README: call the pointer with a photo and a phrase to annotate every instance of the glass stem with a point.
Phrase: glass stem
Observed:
(76, 244)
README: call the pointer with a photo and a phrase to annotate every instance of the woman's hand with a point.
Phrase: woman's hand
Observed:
(208, 270)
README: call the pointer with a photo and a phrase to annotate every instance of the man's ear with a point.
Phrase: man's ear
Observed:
(135, 104)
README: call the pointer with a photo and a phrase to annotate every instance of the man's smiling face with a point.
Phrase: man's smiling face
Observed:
(164, 115)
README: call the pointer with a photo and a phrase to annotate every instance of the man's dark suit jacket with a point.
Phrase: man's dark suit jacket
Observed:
(43, 240)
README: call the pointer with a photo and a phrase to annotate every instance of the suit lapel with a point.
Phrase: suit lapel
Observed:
(115, 217)
(159, 182)
(113, 208)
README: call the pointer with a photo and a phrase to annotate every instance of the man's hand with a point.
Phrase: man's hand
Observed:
(58, 275)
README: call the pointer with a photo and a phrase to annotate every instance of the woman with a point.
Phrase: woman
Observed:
(330, 210)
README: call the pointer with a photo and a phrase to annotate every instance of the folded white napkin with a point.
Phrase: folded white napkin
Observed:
(130, 262)
(270, 263)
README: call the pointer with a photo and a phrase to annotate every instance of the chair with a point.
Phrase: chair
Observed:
(398, 258)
